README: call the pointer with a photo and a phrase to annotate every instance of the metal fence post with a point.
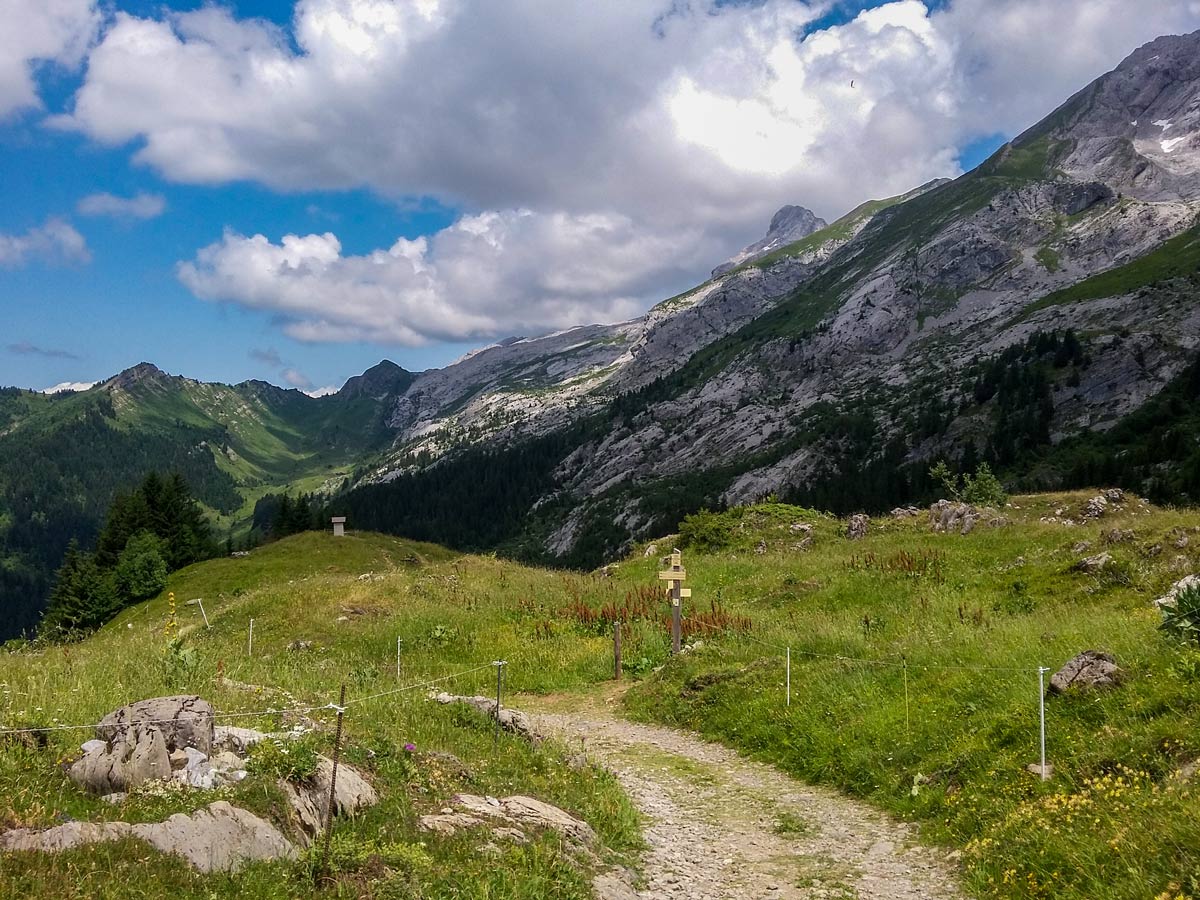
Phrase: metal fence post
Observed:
(1042, 670)
(337, 754)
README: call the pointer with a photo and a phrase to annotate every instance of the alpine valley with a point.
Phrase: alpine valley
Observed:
(1040, 313)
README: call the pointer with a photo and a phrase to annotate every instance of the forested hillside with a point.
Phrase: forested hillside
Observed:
(65, 457)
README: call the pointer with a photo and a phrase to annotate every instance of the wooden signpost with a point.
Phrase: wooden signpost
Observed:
(676, 592)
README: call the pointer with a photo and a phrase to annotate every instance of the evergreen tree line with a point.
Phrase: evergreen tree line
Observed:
(147, 534)
(278, 515)
(60, 474)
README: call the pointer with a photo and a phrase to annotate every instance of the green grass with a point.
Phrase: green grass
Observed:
(451, 613)
(966, 618)
(1049, 258)
(1178, 257)
(951, 752)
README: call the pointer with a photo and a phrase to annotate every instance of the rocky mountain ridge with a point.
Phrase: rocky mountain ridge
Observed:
(1048, 295)
(891, 311)
(790, 224)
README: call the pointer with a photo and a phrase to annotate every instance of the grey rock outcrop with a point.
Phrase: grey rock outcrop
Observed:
(133, 755)
(788, 225)
(310, 800)
(1089, 670)
(950, 517)
(858, 526)
(185, 721)
(218, 838)
(510, 719)
(1094, 565)
(470, 810)
(1171, 598)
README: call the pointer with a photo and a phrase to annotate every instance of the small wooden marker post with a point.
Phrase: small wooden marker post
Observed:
(674, 577)
(617, 650)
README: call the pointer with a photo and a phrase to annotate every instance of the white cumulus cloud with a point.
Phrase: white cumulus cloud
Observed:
(36, 31)
(494, 273)
(672, 129)
(56, 241)
(140, 206)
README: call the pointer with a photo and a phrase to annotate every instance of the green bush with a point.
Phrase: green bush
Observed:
(290, 759)
(1183, 619)
(141, 571)
(704, 531)
(983, 488)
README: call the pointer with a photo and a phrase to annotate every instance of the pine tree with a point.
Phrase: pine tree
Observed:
(82, 598)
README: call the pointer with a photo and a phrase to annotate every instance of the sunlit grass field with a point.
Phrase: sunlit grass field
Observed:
(913, 685)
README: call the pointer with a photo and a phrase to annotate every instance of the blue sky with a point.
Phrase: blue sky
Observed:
(543, 199)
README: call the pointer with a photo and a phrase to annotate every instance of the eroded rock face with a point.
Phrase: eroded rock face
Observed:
(310, 800)
(133, 755)
(185, 721)
(218, 838)
(790, 224)
(471, 810)
(1091, 669)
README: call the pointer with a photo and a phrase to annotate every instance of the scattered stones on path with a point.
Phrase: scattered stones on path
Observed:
(218, 838)
(715, 821)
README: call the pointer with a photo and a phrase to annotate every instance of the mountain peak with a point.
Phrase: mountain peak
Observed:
(789, 224)
(1136, 128)
(383, 378)
(142, 373)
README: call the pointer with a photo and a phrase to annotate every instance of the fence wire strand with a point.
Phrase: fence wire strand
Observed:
(245, 714)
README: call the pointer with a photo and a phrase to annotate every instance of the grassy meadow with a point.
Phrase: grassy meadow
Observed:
(352, 598)
(932, 714)
(913, 686)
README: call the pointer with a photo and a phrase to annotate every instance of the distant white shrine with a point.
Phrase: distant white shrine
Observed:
(339, 526)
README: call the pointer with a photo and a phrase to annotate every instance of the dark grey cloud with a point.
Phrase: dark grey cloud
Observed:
(24, 348)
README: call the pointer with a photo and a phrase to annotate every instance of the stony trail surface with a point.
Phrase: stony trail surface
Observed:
(721, 827)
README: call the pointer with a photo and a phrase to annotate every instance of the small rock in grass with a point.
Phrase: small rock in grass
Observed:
(858, 526)
(1093, 565)
(1171, 597)
(1091, 669)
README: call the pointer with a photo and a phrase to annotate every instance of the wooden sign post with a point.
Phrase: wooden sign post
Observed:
(676, 592)
(617, 650)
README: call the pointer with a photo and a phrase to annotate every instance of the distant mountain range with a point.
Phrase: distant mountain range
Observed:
(1041, 312)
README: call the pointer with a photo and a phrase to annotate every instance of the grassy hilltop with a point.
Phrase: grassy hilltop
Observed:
(963, 620)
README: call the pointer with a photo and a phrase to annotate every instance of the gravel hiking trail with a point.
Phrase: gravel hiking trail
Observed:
(721, 827)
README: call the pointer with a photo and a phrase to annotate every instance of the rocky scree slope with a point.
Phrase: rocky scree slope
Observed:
(866, 343)
(1067, 228)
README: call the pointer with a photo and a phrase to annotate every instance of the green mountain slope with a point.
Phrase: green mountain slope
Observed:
(914, 686)
(351, 598)
(64, 457)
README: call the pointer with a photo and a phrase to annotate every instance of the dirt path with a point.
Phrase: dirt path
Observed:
(721, 827)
